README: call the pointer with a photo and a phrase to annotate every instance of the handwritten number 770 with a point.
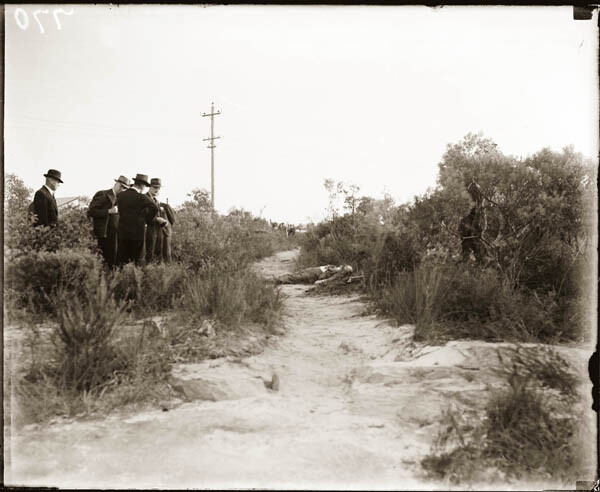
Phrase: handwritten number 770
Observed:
(22, 19)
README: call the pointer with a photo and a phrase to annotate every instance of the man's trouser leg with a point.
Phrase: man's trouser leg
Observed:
(166, 248)
(158, 245)
(108, 247)
(131, 250)
(150, 244)
(104, 247)
(138, 252)
(121, 250)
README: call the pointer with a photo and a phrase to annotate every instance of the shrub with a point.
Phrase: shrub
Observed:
(233, 298)
(537, 236)
(524, 436)
(402, 300)
(163, 286)
(461, 301)
(398, 254)
(418, 297)
(202, 239)
(219, 296)
(35, 278)
(341, 240)
(128, 284)
(151, 288)
(145, 356)
(263, 300)
(73, 231)
(87, 353)
(525, 433)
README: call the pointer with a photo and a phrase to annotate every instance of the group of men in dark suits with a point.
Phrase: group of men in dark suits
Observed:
(130, 223)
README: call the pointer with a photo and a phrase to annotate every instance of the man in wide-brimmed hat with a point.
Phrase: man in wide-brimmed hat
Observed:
(136, 210)
(105, 216)
(44, 202)
(158, 233)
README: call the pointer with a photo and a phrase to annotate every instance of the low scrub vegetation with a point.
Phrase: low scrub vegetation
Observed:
(529, 273)
(527, 430)
(92, 344)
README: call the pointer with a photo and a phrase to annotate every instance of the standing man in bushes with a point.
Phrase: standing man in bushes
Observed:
(105, 216)
(167, 213)
(158, 234)
(44, 204)
(136, 210)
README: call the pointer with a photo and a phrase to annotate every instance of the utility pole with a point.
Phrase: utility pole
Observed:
(212, 146)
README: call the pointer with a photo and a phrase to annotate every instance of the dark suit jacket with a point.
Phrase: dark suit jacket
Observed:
(166, 212)
(44, 207)
(135, 211)
(98, 211)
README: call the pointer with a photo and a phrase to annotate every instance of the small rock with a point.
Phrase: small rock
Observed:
(197, 389)
(274, 383)
(166, 405)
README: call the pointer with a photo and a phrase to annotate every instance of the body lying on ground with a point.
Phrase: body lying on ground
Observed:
(315, 275)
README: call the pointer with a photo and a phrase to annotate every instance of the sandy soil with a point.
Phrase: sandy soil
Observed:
(357, 407)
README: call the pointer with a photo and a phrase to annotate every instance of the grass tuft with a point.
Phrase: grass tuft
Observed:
(526, 432)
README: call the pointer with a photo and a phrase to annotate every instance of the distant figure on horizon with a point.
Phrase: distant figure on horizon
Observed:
(44, 202)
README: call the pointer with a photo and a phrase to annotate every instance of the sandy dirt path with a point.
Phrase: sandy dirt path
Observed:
(357, 407)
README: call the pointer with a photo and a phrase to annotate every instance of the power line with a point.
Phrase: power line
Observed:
(94, 129)
(33, 122)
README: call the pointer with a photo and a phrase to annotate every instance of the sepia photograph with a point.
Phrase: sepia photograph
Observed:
(300, 247)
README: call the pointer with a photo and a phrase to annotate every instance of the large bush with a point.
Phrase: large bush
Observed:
(534, 279)
(203, 239)
(72, 231)
(34, 279)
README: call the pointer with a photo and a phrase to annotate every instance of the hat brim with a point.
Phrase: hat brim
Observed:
(124, 184)
(53, 177)
(141, 181)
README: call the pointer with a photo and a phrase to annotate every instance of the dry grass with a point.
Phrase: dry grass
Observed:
(91, 361)
(529, 430)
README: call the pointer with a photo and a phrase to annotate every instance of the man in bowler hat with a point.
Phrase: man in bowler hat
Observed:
(158, 234)
(44, 202)
(136, 210)
(105, 217)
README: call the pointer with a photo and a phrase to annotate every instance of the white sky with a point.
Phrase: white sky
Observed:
(368, 95)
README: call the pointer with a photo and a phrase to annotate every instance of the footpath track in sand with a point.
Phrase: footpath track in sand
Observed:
(357, 407)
